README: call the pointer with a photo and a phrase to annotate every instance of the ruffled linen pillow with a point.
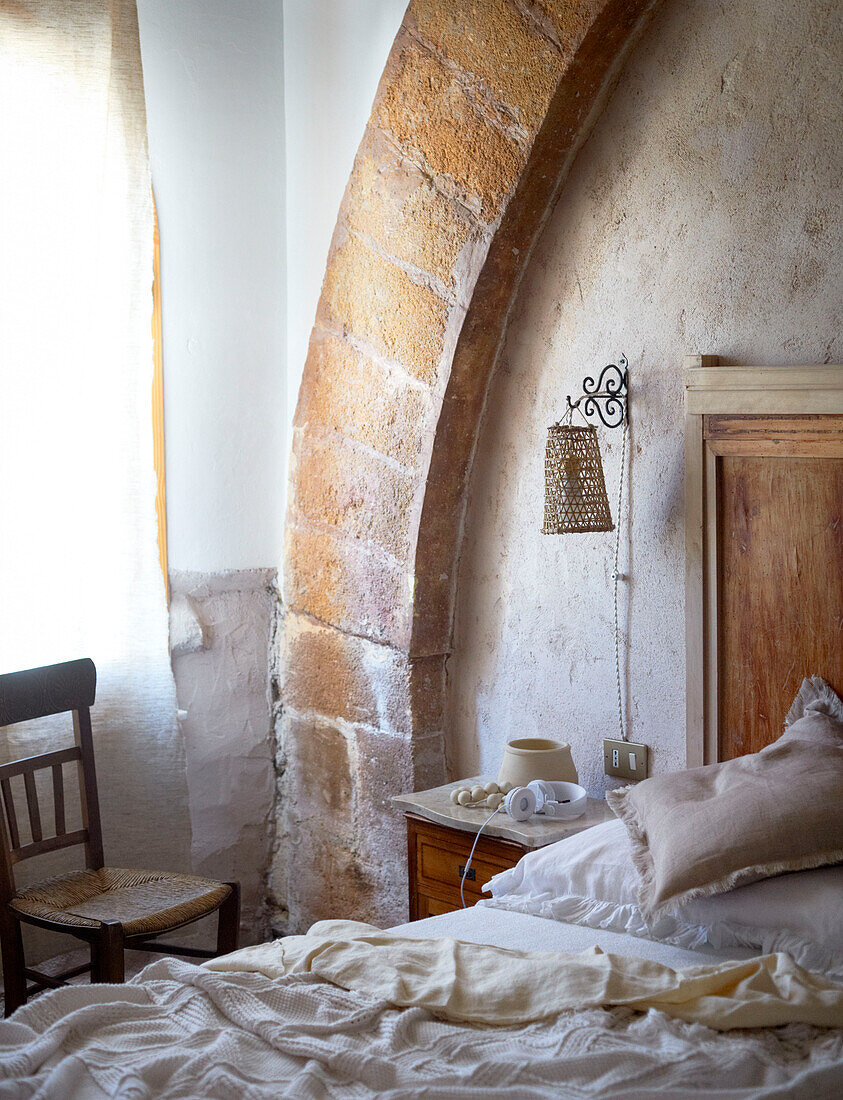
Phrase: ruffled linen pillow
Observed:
(708, 830)
(589, 879)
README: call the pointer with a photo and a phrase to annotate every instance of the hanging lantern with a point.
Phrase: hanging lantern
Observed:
(574, 487)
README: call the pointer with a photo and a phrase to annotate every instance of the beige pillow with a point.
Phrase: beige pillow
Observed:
(708, 830)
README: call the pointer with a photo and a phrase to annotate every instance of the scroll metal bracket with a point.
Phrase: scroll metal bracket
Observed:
(608, 396)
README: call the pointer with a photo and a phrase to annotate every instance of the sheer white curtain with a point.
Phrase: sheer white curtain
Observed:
(79, 572)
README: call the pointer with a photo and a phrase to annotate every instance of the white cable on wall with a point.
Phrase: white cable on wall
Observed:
(616, 578)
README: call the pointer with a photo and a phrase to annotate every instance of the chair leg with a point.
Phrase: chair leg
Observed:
(228, 931)
(107, 963)
(14, 978)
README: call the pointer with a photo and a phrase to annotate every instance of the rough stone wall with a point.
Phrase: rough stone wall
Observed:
(702, 215)
(481, 108)
(221, 634)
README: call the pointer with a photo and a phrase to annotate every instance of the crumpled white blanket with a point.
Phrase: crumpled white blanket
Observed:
(480, 984)
(184, 1031)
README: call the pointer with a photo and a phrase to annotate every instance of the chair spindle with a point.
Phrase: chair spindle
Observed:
(58, 799)
(32, 805)
(11, 816)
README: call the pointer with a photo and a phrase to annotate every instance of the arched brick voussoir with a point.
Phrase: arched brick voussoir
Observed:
(352, 397)
(477, 117)
(404, 213)
(595, 37)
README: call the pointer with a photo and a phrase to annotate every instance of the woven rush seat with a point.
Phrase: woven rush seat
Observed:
(146, 903)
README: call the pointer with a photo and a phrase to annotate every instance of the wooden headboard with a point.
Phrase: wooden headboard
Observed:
(763, 548)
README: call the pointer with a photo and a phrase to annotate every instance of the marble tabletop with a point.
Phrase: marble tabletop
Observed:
(436, 805)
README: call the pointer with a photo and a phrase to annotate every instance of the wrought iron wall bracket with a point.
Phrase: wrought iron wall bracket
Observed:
(607, 396)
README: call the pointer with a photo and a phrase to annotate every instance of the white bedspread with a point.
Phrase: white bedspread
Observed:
(183, 1031)
(505, 928)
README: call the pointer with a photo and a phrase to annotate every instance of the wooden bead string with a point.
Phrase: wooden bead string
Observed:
(481, 796)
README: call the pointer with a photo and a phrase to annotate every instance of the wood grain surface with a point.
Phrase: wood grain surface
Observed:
(779, 568)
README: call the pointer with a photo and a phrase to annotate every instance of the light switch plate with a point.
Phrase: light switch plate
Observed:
(625, 759)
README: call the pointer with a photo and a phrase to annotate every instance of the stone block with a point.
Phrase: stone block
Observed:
(427, 693)
(346, 585)
(435, 557)
(345, 677)
(327, 880)
(383, 768)
(567, 21)
(428, 112)
(379, 304)
(429, 763)
(390, 201)
(360, 494)
(317, 782)
(349, 393)
(505, 52)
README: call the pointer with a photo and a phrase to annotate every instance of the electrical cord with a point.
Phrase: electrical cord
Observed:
(616, 577)
(497, 810)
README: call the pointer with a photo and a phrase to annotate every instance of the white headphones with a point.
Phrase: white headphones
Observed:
(559, 800)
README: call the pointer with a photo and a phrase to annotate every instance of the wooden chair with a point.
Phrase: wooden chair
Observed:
(111, 908)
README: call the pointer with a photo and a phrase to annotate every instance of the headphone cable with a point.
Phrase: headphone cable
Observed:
(496, 810)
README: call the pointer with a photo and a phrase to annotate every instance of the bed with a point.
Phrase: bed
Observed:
(180, 1030)
(740, 995)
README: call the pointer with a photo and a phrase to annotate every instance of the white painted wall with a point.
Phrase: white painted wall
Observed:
(214, 81)
(254, 122)
(334, 54)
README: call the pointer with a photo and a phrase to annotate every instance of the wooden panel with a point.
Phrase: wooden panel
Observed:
(778, 448)
(772, 429)
(51, 689)
(434, 907)
(36, 763)
(777, 411)
(88, 789)
(437, 864)
(710, 388)
(775, 436)
(435, 854)
(695, 591)
(52, 844)
(711, 656)
(780, 588)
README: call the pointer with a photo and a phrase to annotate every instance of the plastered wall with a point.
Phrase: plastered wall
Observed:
(214, 84)
(221, 627)
(702, 215)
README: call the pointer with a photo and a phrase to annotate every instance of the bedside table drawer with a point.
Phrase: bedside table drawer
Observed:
(437, 854)
(433, 907)
(444, 866)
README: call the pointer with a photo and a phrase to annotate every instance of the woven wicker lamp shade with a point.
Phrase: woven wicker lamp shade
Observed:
(574, 487)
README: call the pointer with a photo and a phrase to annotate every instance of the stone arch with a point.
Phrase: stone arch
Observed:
(477, 118)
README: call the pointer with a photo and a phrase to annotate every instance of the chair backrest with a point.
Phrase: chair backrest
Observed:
(36, 693)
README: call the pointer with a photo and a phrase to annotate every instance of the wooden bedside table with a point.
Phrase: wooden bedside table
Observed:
(440, 836)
